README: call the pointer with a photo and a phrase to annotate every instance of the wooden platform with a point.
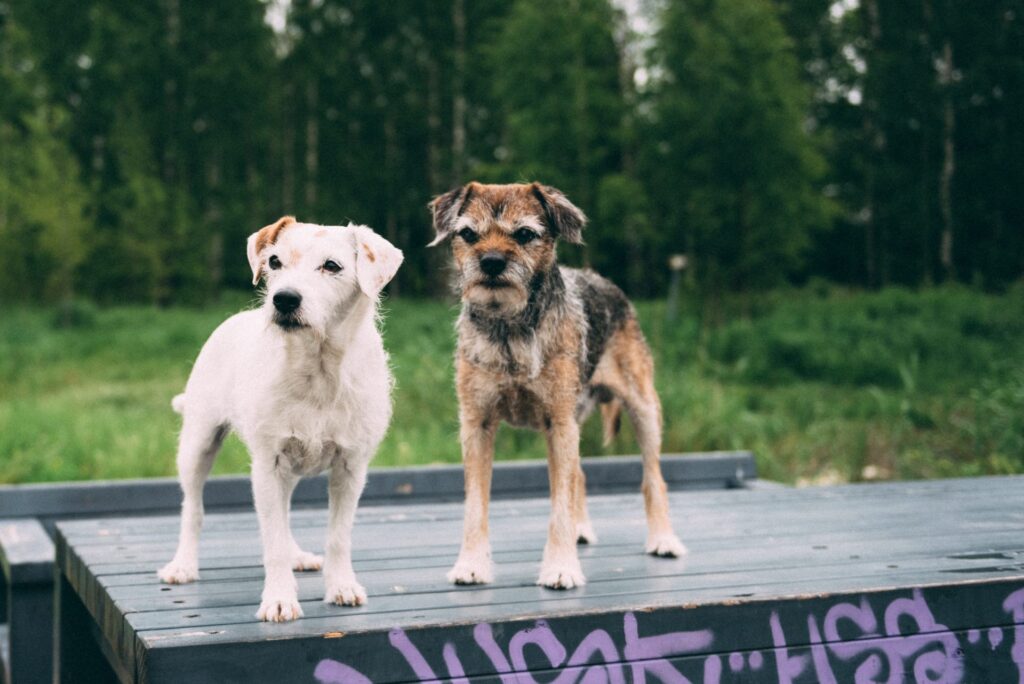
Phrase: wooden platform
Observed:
(29, 513)
(889, 582)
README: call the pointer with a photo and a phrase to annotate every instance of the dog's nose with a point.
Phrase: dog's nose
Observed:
(492, 263)
(287, 301)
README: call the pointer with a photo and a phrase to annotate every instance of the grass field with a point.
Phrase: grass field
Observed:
(823, 385)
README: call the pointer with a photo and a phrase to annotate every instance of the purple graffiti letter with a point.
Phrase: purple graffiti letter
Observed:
(1014, 605)
(484, 636)
(540, 636)
(455, 669)
(863, 617)
(788, 667)
(412, 655)
(933, 666)
(647, 654)
(600, 642)
(819, 654)
(332, 672)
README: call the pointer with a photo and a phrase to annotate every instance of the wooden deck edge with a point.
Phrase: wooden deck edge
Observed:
(116, 646)
(50, 501)
(26, 551)
(979, 626)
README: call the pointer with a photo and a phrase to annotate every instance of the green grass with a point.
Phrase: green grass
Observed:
(822, 385)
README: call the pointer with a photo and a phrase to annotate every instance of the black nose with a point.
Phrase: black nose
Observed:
(287, 301)
(492, 263)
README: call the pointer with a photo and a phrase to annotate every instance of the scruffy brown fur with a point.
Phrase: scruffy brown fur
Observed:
(540, 345)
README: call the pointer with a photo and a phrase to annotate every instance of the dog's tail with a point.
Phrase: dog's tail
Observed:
(178, 403)
(611, 419)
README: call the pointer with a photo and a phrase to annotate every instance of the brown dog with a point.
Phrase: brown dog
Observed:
(539, 346)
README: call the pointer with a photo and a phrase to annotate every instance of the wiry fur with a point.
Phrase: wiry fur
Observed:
(540, 345)
(306, 392)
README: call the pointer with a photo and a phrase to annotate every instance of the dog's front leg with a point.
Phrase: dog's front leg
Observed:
(347, 478)
(477, 435)
(272, 490)
(560, 568)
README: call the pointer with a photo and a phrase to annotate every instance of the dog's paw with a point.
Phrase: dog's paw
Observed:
(472, 570)
(564, 574)
(585, 533)
(345, 593)
(305, 561)
(178, 573)
(279, 609)
(665, 545)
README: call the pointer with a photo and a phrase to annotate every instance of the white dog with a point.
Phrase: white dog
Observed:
(304, 381)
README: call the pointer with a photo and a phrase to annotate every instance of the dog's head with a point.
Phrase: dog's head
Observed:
(314, 274)
(503, 239)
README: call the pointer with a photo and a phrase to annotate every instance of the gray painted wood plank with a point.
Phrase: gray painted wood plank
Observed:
(612, 546)
(395, 584)
(1010, 487)
(529, 532)
(553, 605)
(1004, 548)
(26, 551)
(419, 483)
(693, 519)
(692, 516)
(603, 584)
(1002, 551)
(849, 493)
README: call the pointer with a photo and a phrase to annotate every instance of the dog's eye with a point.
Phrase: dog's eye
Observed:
(524, 236)
(274, 262)
(331, 266)
(469, 235)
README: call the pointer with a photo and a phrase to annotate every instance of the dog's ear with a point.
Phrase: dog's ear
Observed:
(260, 240)
(377, 260)
(564, 219)
(446, 209)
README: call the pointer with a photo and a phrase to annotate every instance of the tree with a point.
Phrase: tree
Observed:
(736, 172)
(555, 68)
(44, 219)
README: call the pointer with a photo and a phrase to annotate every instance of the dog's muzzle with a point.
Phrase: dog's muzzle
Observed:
(286, 306)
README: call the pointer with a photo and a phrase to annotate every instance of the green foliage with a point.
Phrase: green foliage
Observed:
(135, 242)
(46, 236)
(929, 341)
(556, 75)
(729, 119)
(773, 141)
(943, 396)
(45, 233)
(623, 211)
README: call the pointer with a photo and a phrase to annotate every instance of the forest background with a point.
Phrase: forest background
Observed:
(844, 179)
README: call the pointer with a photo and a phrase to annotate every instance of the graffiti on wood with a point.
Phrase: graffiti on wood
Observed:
(854, 641)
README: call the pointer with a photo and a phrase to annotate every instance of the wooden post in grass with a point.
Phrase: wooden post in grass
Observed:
(676, 264)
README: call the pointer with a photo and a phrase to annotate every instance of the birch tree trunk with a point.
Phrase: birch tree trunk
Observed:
(876, 144)
(459, 92)
(948, 162)
(312, 156)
